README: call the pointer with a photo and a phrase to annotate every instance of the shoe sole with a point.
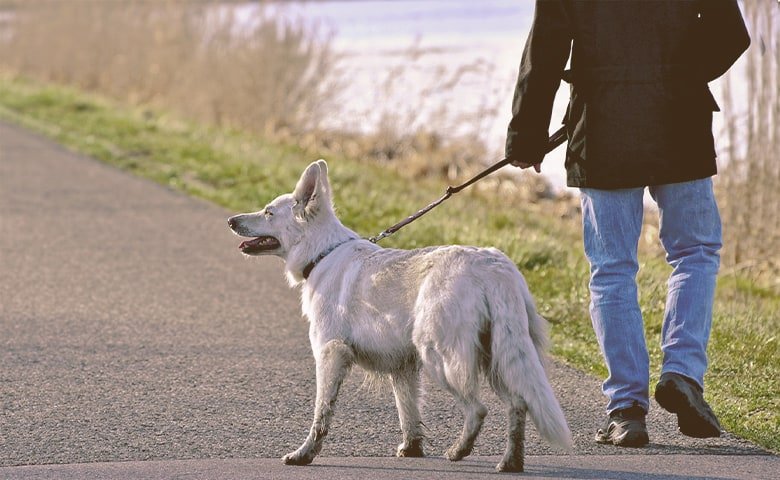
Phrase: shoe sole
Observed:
(628, 439)
(690, 418)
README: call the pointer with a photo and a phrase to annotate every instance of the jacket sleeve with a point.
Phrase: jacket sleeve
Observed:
(544, 58)
(722, 37)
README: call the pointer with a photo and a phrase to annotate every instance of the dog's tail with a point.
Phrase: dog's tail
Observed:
(518, 358)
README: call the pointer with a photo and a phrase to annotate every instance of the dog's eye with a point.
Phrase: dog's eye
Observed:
(269, 214)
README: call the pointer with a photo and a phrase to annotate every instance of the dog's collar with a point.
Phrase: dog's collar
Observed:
(310, 266)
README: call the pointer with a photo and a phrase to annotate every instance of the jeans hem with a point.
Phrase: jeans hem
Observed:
(645, 404)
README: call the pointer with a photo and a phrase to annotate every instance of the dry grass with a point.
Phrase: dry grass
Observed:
(196, 58)
(282, 80)
(749, 185)
(253, 72)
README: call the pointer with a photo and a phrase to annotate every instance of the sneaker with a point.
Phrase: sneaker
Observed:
(625, 428)
(682, 396)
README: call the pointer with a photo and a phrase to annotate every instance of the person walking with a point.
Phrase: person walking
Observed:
(639, 116)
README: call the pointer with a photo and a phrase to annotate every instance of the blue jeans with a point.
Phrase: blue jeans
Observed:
(690, 232)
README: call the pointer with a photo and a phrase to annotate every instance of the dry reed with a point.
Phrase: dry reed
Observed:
(256, 72)
(749, 185)
(199, 59)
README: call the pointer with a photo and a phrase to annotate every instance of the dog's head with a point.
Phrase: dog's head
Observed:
(283, 224)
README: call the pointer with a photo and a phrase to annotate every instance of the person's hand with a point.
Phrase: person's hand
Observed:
(537, 166)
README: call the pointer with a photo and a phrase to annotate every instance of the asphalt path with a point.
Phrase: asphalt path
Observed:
(132, 330)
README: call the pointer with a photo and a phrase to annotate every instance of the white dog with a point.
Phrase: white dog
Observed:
(455, 312)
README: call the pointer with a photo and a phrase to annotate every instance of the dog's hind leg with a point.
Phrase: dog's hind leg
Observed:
(460, 377)
(406, 386)
(333, 364)
(473, 415)
(514, 455)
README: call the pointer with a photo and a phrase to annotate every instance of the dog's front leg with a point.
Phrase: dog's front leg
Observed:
(333, 364)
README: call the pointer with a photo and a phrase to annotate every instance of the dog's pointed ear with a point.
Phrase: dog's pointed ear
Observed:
(323, 178)
(312, 191)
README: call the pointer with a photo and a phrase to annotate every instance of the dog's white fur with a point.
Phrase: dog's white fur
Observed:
(455, 312)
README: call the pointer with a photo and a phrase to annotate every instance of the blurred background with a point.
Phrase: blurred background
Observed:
(422, 85)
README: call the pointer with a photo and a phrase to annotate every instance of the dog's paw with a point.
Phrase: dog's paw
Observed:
(457, 452)
(509, 466)
(412, 449)
(297, 458)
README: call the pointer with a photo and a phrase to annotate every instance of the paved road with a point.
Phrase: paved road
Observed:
(132, 330)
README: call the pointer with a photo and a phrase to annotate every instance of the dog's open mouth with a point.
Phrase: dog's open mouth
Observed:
(259, 244)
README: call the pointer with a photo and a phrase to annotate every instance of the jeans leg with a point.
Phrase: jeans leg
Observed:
(690, 232)
(612, 223)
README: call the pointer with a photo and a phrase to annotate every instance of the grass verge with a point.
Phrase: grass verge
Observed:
(242, 172)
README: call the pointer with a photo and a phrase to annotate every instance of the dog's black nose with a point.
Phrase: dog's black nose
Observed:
(232, 222)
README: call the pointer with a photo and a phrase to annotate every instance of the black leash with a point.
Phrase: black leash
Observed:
(555, 139)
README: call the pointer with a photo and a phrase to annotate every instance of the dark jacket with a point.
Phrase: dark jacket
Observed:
(640, 111)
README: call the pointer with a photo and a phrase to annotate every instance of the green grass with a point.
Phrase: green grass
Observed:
(242, 172)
